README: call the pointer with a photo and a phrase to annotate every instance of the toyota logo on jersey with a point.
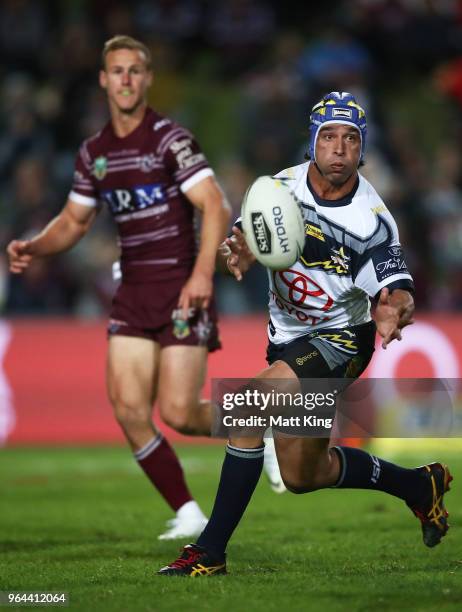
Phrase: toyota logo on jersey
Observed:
(300, 290)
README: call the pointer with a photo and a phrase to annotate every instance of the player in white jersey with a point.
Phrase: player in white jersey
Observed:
(321, 327)
(329, 285)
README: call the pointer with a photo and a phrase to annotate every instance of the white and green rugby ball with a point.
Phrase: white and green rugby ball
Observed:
(272, 222)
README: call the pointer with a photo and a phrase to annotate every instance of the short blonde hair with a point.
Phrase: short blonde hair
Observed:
(125, 42)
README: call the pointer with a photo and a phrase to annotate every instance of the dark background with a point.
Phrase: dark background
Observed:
(242, 75)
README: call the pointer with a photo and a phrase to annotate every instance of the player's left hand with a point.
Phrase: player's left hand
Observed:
(196, 293)
(393, 312)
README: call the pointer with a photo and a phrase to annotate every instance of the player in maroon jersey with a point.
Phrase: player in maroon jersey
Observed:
(151, 174)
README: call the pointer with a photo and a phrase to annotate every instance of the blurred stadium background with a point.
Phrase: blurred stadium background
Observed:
(242, 75)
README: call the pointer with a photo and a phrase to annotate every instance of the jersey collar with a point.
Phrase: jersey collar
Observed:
(345, 201)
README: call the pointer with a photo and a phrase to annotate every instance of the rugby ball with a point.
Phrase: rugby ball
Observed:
(272, 223)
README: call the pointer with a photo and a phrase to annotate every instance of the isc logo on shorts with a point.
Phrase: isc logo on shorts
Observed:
(130, 200)
(301, 360)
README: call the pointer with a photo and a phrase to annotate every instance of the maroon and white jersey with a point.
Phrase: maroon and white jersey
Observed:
(142, 178)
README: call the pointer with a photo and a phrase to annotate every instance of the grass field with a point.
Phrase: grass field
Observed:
(85, 521)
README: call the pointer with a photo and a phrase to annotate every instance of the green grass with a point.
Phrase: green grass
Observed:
(85, 521)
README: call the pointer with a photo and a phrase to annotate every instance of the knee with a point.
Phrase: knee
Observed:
(175, 414)
(304, 473)
(130, 414)
(300, 481)
(299, 485)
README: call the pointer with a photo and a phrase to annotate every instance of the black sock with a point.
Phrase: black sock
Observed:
(361, 470)
(239, 476)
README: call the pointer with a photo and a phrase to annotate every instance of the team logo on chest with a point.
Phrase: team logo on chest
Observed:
(147, 162)
(339, 262)
(340, 259)
(100, 168)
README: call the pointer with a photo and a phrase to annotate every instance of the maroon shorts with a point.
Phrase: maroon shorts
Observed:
(149, 310)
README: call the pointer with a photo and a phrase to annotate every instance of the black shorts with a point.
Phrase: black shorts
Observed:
(327, 353)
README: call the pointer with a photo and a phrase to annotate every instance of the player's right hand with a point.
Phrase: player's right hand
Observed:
(18, 256)
(240, 258)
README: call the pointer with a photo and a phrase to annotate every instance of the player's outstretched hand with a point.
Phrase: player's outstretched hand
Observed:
(393, 312)
(18, 257)
(240, 259)
(196, 293)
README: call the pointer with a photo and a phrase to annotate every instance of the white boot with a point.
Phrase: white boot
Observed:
(271, 467)
(188, 522)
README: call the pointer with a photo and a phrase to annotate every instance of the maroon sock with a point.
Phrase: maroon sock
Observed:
(162, 467)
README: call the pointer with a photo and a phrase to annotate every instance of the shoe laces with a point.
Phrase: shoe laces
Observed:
(190, 555)
(437, 510)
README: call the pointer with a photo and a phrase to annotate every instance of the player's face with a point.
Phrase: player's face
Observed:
(338, 148)
(126, 79)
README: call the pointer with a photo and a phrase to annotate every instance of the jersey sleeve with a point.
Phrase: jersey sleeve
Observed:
(184, 158)
(383, 264)
(83, 189)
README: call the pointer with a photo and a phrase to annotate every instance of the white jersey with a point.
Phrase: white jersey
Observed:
(351, 252)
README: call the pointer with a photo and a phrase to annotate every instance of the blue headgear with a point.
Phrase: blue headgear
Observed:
(337, 107)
